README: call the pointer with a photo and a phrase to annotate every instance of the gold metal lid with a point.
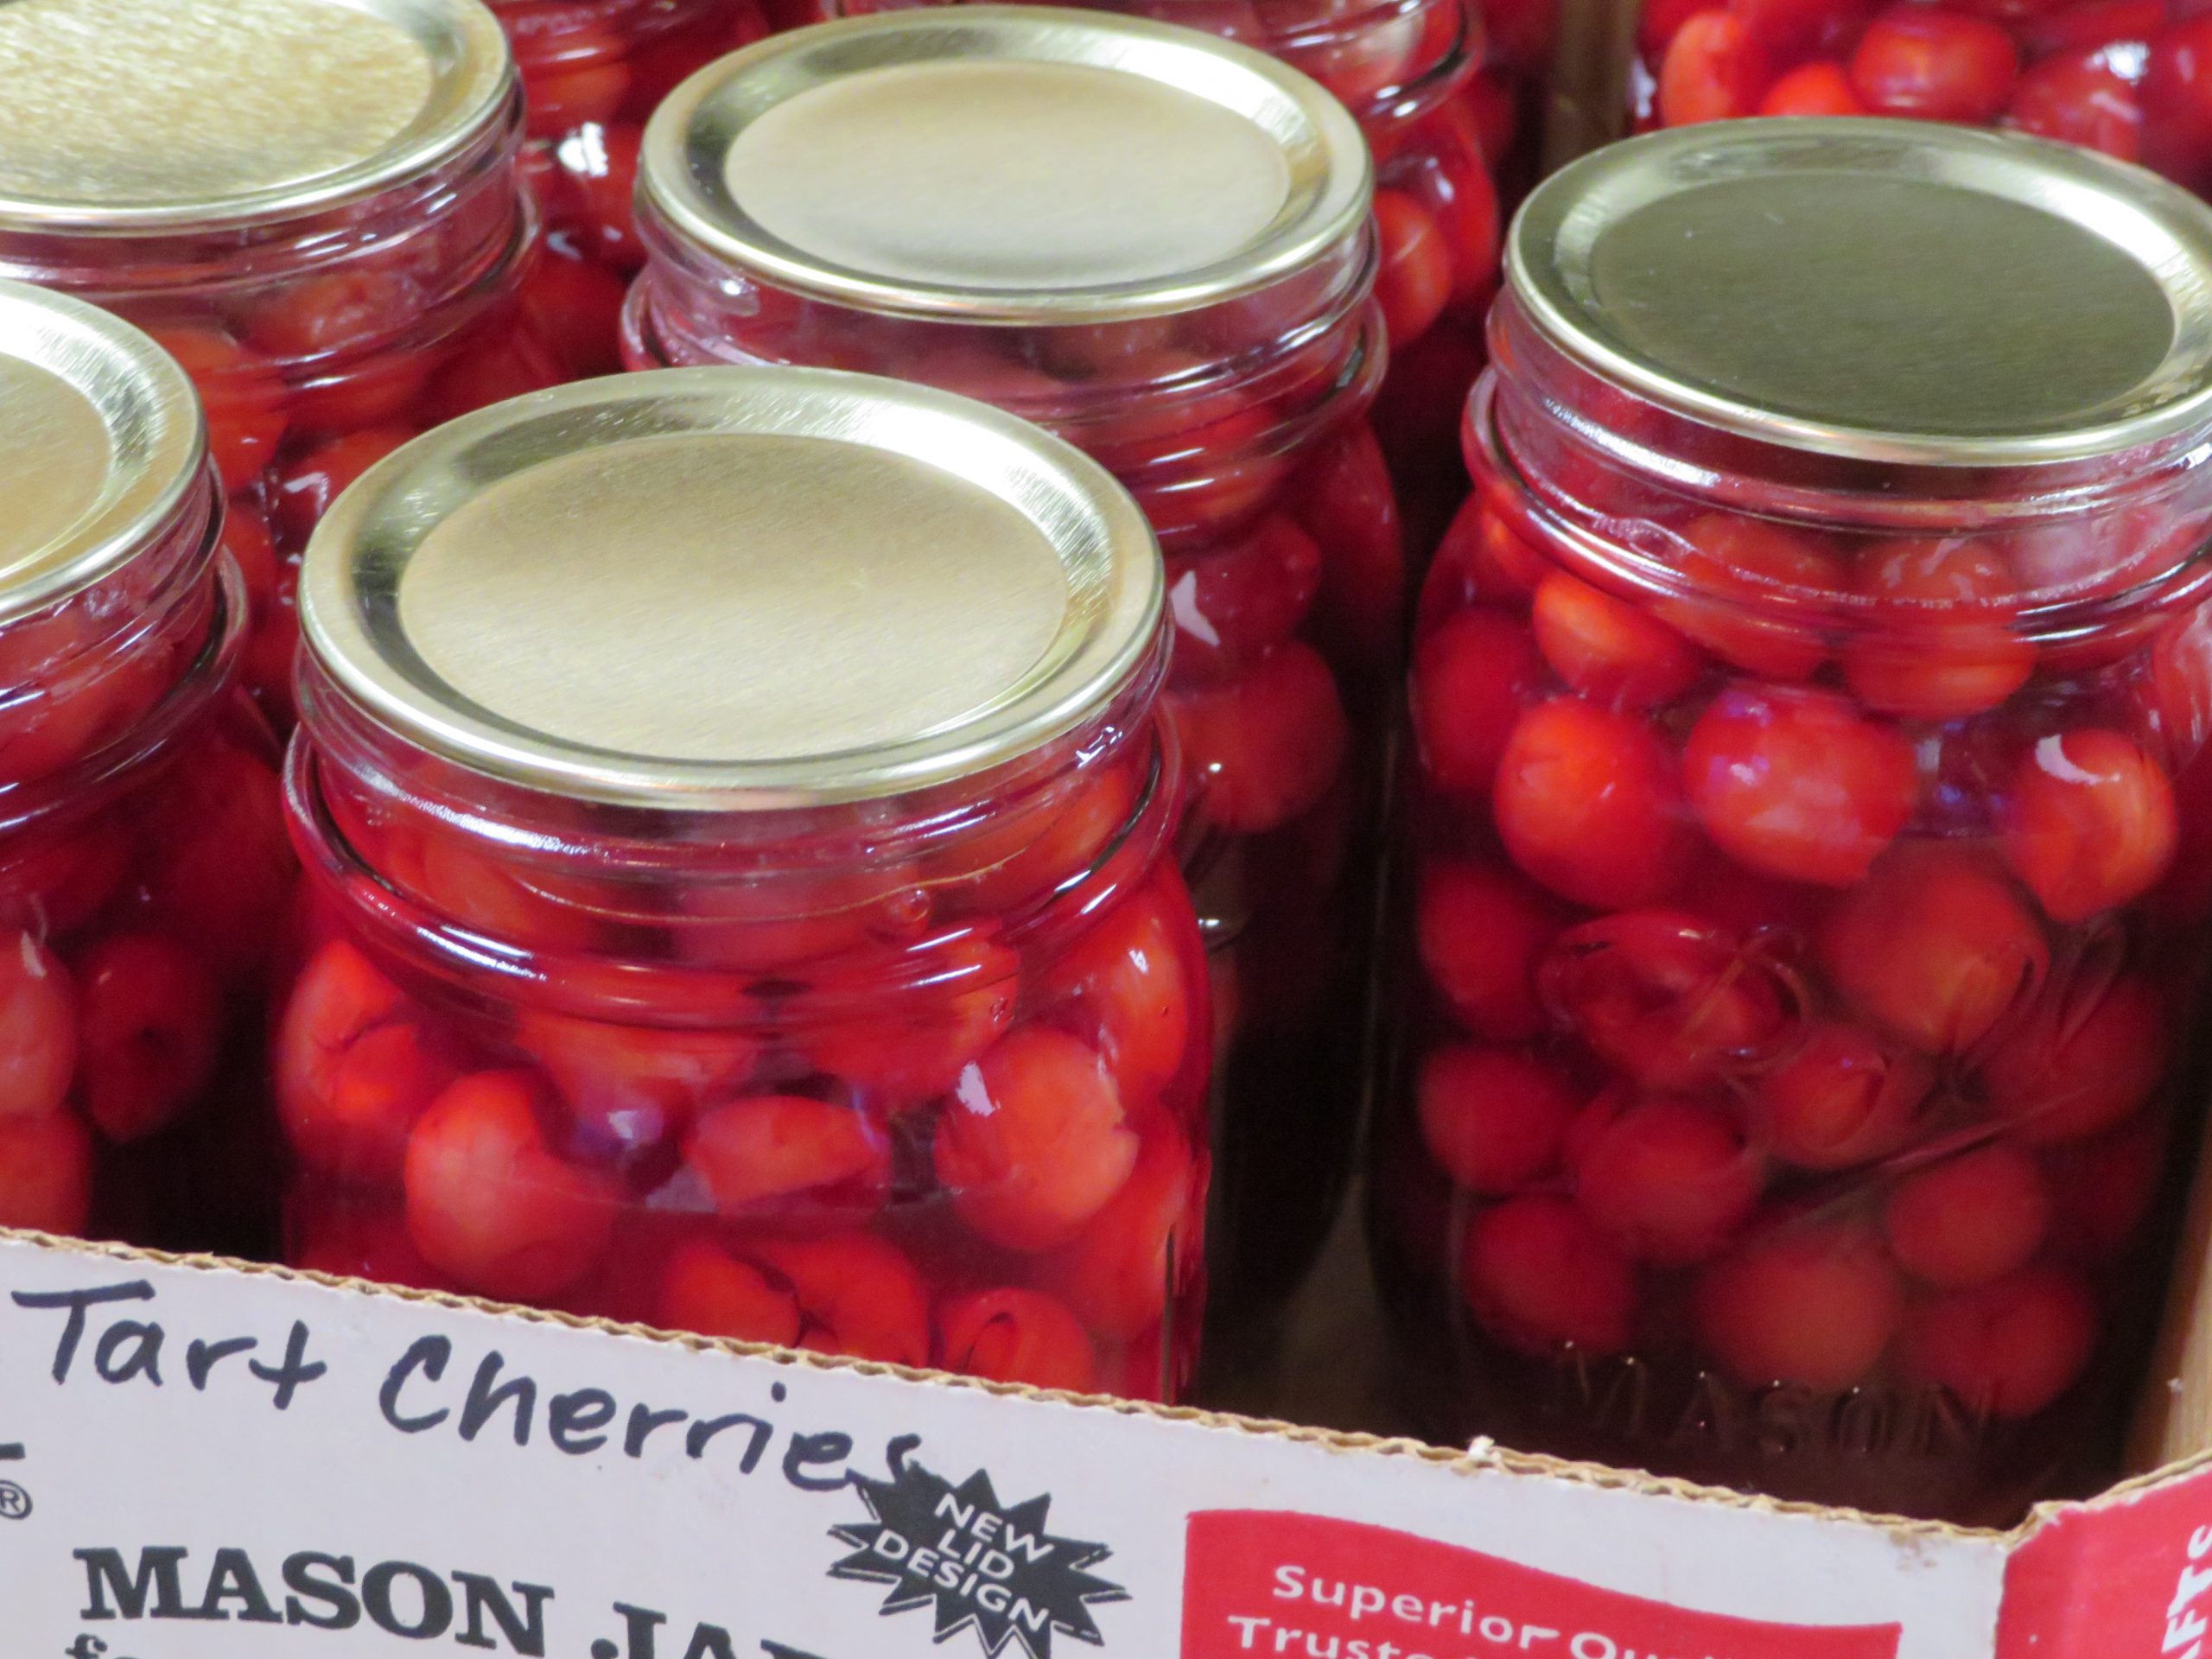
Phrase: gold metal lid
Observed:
(143, 115)
(100, 439)
(1898, 291)
(728, 587)
(1008, 164)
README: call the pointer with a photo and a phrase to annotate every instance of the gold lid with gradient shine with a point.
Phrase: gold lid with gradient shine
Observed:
(727, 588)
(1008, 164)
(1898, 291)
(100, 440)
(127, 116)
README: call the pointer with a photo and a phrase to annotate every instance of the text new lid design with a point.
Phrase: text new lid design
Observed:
(100, 440)
(732, 588)
(1899, 291)
(142, 115)
(1008, 164)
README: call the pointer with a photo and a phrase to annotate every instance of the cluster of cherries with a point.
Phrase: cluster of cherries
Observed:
(144, 874)
(592, 72)
(879, 1113)
(2127, 77)
(1806, 947)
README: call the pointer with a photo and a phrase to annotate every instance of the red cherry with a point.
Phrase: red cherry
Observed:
(489, 1203)
(1132, 974)
(1808, 1302)
(150, 1022)
(1481, 559)
(1492, 1117)
(1232, 602)
(1473, 678)
(1011, 1335)
(908, 1039)
(859, 1296)
(1712, 71)
(241, 394)
(1938, 66)
(353, 1069)
(2079, 98)
(1667, 999)
(2177, 95)
(1035, 848)
(54, 880)
(512, 901)
(1841, 1099)
(704, 1288)
(2080, 1064)
(1939, 643)
(1737, 568)
(1969, 1219)
(305, 487)
(46, 1172)
(1669, 1179)
(319, 324)
(755, 1152)
(220, 870)
(580, 89)
(1609, 650)
(496, 363)
(1536, 1274)
(1813, 89)
(634, 1084)
(2008, 1349)
(1414, 281)
(1034, 1141)
(1482, 932)
(1139, 1250)
(2090, 823)
(1264, 748)
(1349, 508)
(775, 926)
(39, 1035)
(1935, 949)
(577, 306)
(2085, 27)
(2102, 1190)
(1797, 783)
(1587, 803)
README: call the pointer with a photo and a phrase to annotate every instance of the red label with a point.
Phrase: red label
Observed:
(1272, 1586)
(2126, 1579)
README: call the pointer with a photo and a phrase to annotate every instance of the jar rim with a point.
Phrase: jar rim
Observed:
(102, 442)
(1845, 326)
(443, 73)
(667, 616)
(1301, 174)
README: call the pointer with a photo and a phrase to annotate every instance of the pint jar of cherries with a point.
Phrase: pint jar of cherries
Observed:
(1158, 246)
(144, 865)
(591, 71)
(1809, 851)
(739, 834)
(1440, 125)
(314, 207)
(2127, 77)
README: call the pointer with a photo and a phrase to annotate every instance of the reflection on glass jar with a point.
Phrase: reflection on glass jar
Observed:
(345, 256)
(591, 71)
(771, 929)
(1810, 845)
(1157, 246)
(143, 867)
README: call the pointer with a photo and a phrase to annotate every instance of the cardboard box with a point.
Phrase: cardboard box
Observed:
(202, 1459)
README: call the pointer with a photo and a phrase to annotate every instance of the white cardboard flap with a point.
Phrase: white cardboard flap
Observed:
(207, 1462)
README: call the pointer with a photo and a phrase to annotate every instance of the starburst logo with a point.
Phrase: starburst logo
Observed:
(981, 1566)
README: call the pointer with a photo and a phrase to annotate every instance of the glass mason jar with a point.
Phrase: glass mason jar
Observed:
(591, 71)
(772, 930)
(1158, 246)
(1410, 72)
(340, 261)
(144, 865)
(2130, 77)
(1808, 853)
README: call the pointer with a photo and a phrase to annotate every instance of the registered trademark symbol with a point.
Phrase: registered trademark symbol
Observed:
(15, 1502)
